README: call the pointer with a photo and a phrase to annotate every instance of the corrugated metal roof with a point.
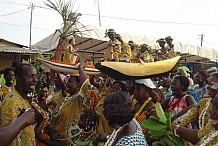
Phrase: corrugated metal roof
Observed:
(9, 49)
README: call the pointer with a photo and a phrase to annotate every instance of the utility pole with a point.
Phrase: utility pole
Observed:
(202, 38)
(99, 14)
(31, 18)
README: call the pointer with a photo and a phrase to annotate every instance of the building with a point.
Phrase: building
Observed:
(10, 51)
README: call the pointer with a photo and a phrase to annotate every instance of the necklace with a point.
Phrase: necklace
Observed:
(202, 115)
(114, 136)
(209, 138)
(142, 107)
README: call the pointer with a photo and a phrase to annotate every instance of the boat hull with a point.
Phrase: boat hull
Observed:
(66, 67)
(125, 71)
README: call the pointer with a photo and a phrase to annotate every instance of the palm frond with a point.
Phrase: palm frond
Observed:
(65, 9)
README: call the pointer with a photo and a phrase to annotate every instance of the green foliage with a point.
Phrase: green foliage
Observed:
(37, 64)
(160, 113)
(160, 129)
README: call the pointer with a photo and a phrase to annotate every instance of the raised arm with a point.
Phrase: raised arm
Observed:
(82, 74)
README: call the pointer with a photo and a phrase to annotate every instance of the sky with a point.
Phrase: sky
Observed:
(183, 20)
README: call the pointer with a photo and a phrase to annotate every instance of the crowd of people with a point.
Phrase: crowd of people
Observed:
(81, 109)
(118, 50)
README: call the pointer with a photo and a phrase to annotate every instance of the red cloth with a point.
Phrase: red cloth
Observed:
(176, 105)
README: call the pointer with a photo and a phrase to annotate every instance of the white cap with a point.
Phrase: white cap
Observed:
(147, 82)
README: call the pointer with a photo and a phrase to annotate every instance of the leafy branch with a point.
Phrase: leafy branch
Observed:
(160, 129)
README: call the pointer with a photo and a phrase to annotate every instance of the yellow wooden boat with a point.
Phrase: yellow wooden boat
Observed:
(122, 70)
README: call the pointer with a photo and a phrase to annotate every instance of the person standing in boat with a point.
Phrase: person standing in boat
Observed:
(114, 46)
(70, 55)
(144, 54)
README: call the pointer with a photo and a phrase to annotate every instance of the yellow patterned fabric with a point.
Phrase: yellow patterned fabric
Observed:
(146, 57)
(171, 52)
(201, 113)
(67, 115)
(4, 91)
(125, 52)
(103, 124)
(57, 96)
(9, 109)
(134, 54)
(68, 57)
(114, 51)
(211, 139)
(163, 56)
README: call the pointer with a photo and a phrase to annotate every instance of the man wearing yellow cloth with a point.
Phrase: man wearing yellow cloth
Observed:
(114, 46)
(26, 77)
(134, 52)
(144, 54)
(170, 46)
(125, 54)
(162, 53)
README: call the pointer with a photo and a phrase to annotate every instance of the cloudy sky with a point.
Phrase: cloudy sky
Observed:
(184, 20)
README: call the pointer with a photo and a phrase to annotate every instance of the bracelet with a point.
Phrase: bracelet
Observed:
(107, 137)
(175, 131)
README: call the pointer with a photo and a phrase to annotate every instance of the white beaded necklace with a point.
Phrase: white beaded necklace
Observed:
(207, 139)
(114, 136)
(202, 115)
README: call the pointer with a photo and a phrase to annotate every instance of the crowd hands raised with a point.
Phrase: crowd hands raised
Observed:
(80, 109)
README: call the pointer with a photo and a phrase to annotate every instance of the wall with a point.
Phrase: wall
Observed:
(7, 44)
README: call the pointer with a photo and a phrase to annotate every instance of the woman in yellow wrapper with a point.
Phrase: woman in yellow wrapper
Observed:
(200, 112)
(67, 115)
(9, 83)
(69, 52)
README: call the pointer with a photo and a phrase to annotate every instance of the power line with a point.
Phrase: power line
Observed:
(43, 7)
(25, 26)
(13, 3)
(121, 18)
(14, 12)
(152, 21)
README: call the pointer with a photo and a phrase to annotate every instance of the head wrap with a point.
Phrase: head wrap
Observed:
(184, 70)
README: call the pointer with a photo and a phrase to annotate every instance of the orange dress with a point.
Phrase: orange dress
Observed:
(45, 136)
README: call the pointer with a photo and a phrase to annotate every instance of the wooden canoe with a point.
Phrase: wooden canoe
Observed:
(122, 70)
(66, 67)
